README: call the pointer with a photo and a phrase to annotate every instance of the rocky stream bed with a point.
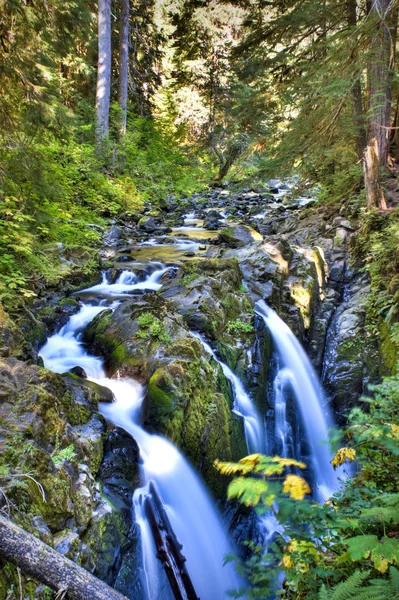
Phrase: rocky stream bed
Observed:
(214, 255)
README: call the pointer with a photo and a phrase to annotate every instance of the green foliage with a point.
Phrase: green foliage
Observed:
(68, 453)
(146, 319)
(354, 588)
(239, 326)
(152, 327)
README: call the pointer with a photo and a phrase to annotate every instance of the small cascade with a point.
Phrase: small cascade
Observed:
(299, 374)
(185, 500)
(243, 405)
(128, 282)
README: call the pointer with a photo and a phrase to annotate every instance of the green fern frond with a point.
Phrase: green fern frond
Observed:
(346, 589)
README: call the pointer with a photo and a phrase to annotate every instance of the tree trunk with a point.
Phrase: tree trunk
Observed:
(372, 180)
(43, 563)
(103, 92)
(361, 138)
(123, 63)
(380, 77)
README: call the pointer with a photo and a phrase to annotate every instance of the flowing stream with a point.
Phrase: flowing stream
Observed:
(187, 503)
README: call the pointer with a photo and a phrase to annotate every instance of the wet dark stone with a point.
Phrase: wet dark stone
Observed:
(79, 371)
(119, 472)
(123, 258)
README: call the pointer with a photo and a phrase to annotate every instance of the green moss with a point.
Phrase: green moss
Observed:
(161, 402)
(387, 351)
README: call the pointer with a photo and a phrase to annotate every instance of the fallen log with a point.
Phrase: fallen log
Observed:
(37, 559)
(168, 547)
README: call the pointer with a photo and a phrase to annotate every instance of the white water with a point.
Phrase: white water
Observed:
(187, 503)
(127, 282)
(310, 399)
(243, 405)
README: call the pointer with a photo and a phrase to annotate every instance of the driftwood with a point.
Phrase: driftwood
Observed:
(37, 559)
(168, 548)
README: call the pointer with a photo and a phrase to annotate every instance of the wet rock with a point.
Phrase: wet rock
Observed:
(67, 543)
(123, 258)
(79, 371)
(119, 471)
(148, 224)
(239, 236)
(112, 236)
(351, 355)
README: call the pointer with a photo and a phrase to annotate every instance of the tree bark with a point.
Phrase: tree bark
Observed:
(45, 564)
(380, 77)
(372, 180)
(123, 63)
(103, 92)
(361, 138)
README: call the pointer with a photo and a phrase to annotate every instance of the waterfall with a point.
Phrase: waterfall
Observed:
(185, 499)
(243, 405)
(299, 373)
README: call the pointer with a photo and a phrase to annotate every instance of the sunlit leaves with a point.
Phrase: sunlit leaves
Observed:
(258, 463)
(343, 455)
(296, 487)
(250, 491)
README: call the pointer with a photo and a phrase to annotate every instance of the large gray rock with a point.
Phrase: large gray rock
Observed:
(112, 236)
(239, 236)
(351, 356)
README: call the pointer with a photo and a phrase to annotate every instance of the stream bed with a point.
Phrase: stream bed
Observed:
(190, 508)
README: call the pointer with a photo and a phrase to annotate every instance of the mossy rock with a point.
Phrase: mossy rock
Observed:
(184, 400)
(239, 236)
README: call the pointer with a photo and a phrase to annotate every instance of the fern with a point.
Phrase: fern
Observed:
(353, 587)
(346, 589)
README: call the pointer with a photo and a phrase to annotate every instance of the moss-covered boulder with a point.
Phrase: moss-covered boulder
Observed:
(211, 297)
(239, 236)
(12, 342)
(187, 399)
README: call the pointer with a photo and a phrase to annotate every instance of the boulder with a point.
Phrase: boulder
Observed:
(112, 236)
(239, 236)
(187, 399)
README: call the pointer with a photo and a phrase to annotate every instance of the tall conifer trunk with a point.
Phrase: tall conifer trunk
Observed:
(103, 92)
(380, 77)
(361, 138)
(123, 63)
(379, 74)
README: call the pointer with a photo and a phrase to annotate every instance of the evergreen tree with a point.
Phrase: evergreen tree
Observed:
(123, 62)
(103, 92)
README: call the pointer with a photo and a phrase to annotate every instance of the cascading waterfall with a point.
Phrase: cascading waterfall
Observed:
(243, 405)
(184, 496)
(297, 370)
